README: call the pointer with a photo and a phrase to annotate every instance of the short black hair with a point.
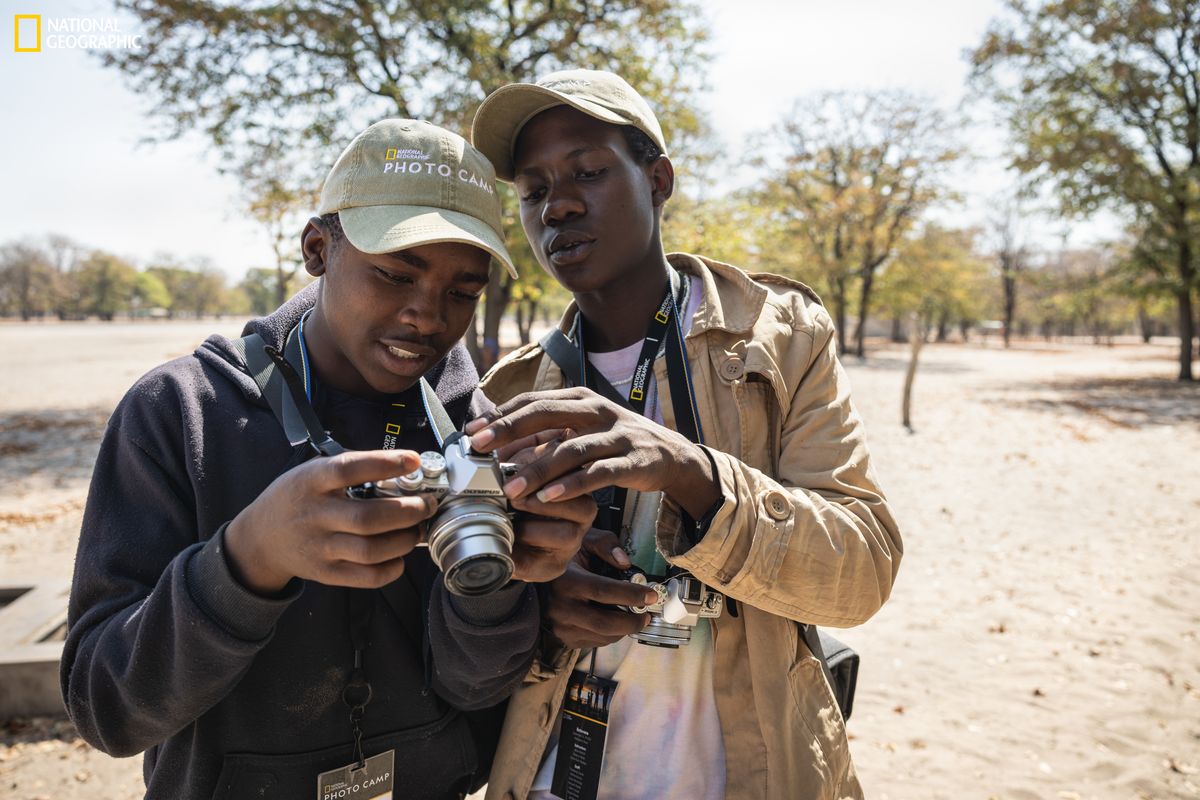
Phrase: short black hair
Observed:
(643, 148)
(334, 224)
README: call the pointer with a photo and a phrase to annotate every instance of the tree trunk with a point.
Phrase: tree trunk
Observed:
(860, 335)
(495, 303)
(1186, 332)
(1144, 323)
(839, 312)
(943, 327)
(1186, 329)
(1010, 304)
(897, 330)
(527, 311)
(916, 337)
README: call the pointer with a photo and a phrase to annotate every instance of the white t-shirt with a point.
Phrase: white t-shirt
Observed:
(664, 736)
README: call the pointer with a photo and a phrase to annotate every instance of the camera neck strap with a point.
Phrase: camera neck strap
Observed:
(288, 392)
(285, 380)
(664, 335)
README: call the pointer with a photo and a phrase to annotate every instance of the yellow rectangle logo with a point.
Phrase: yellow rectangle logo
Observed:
(636, 394)
(37, 33)
(393, 429)
(660, 316)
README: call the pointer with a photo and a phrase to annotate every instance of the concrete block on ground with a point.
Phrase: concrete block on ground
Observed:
(33, 621)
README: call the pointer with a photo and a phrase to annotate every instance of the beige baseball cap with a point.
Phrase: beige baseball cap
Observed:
(600, 94)
(404, 182)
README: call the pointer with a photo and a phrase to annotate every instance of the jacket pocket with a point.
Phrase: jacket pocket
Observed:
(434, 761)
(758, 443)
(819, 712)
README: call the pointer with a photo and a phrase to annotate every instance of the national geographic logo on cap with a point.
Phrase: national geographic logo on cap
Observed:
(71, 33)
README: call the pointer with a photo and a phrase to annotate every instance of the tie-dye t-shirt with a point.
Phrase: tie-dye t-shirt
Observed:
(664, 737)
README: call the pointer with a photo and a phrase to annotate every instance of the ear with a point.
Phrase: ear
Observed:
(315, 246)
(662, 180)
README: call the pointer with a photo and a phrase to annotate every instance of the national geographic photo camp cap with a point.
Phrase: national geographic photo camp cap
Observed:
(404, 182)
(603, 95)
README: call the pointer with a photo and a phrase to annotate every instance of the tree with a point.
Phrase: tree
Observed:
(723, 228)
(936, 278)
(1103, 101)
(857, 171)
(105, 285)
(939, 275)
(149, 292)
(289, 84)
(27, 281)
(1011, 254)
(198, 291)
(281, 206)
(259, 287)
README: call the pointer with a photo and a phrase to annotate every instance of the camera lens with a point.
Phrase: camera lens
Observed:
(479, 575)
(470, 539)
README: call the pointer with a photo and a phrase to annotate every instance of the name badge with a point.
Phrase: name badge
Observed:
(372, 782)
(581, 740)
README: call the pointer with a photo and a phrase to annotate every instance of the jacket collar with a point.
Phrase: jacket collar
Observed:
(731, 300)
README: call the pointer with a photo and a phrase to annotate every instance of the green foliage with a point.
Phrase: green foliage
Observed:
(28, 281)
(194, 292)
(1080, 292)
(259, 289)
(723, 228)
(856, 172)
(262, 74)
(938, 274)
(1103, 100)
(150, 292)
(105, 285)
(280, 89)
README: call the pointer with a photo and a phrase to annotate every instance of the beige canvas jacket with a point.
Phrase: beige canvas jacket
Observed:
(804, 534)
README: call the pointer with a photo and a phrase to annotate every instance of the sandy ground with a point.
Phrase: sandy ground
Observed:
(1042, 641)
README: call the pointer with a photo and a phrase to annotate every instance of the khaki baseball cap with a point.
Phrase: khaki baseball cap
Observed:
(404, 182)
(600, 94)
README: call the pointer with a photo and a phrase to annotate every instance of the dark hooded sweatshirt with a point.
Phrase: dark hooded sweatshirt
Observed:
(231, 694)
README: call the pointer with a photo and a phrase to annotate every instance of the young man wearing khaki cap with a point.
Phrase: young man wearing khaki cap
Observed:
(714, 402)
(235, 613)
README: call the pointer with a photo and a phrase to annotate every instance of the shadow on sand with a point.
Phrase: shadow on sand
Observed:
(59, 444)
(1121, 402)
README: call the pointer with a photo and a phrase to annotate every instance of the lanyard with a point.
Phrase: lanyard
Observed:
(394, 414)
(664, 325)
(357, 693)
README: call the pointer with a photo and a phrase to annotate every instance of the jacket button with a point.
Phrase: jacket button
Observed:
(545, 715)
(733, 368)
(778, 505)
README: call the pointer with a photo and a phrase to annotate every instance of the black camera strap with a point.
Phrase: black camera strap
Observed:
(664, 335)
(288, 393)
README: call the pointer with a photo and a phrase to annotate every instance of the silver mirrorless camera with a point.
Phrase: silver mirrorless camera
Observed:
(682, 602)
(470, 536)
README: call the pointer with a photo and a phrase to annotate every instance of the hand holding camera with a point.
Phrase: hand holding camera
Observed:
(602, 598)
(304, 525)
(471, 536)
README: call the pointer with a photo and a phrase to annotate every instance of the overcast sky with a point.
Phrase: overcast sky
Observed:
(72, 163)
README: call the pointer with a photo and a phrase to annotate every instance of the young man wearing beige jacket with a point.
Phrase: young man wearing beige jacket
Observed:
(742, 464)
